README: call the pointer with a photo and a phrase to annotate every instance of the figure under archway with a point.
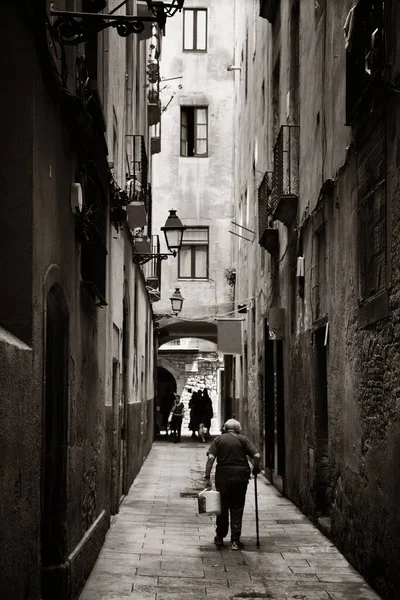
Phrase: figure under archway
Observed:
(166, 388)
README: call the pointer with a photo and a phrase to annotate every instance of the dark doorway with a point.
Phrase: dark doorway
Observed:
(321, 424)
(166, 388)
(54, 453)
(115, 495)
(269, 412)
(274, 406)
(123, 401)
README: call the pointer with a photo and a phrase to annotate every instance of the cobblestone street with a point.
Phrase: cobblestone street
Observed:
(160, 548)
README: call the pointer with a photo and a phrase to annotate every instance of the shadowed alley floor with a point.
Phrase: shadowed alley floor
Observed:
(160, 548)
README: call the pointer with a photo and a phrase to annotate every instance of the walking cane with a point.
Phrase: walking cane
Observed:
(256, 500)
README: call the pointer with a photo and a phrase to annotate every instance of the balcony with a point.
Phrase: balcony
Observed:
(152, 271)
(136, 185)
(268, 236)
(285, 180)
(153, 107)
(155, 144)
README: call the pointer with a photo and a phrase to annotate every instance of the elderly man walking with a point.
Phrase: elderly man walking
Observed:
(232, 475)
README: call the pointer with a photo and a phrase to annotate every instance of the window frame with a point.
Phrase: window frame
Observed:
(193, 247)
(359, 83)
(373, 304)
(195, 138)
(195, 11)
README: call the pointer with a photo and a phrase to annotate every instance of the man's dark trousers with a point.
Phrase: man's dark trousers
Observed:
(233, 497)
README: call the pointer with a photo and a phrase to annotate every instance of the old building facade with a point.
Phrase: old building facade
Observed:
(316, 180)
(193, 171)
(76, 317)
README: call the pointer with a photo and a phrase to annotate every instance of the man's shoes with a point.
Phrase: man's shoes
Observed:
(237, 545)
(218, 541)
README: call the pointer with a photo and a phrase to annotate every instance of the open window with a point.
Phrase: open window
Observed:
(194, 131)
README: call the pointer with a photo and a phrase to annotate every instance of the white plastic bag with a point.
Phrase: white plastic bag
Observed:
(209, 502)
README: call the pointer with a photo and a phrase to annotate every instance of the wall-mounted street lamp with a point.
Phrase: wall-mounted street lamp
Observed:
(176, 301)
(75, 28)
(173, 231)
(168, 8)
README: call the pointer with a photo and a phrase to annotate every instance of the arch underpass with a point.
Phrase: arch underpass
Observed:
(170, 329)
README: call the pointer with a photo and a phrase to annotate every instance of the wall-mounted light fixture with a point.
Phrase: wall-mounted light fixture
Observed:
(168, 8)
(75, 28)
(173, 231)
(176, 301)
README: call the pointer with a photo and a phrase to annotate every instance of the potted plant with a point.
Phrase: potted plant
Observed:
(230, 276)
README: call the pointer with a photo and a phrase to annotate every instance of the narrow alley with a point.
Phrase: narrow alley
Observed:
(159, 547)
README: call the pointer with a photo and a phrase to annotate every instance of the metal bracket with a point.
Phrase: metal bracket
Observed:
(141, 259)
(75, 28)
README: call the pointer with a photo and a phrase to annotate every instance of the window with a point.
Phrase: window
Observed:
(372, 224)
(194, 131)
(193, 256)
(195, 29)
(365, 47)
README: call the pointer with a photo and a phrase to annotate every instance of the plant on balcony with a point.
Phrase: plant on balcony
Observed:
(230, 276)
(85, 225)
(153, 73)
(153, 97)
(118, 216)
(119, 197)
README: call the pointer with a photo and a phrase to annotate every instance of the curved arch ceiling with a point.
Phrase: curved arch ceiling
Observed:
(179, 328)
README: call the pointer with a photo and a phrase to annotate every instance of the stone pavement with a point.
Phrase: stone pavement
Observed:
(160, 548)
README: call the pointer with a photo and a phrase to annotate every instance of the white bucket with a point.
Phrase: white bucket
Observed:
(209, 502)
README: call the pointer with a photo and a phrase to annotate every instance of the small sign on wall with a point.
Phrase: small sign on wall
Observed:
(229, 333)
(192, 367)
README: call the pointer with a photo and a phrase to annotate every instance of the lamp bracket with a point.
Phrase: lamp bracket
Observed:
(75, 28)
(141, 259)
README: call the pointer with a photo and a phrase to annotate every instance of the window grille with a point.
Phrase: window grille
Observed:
(264, 197)
(372, 237)
(285, 180)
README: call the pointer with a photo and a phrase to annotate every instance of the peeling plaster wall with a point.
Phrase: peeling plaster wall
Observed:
(199, 188)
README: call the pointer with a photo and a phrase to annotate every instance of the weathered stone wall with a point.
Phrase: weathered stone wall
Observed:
(359, 463)
(19, 474)
(39, 249)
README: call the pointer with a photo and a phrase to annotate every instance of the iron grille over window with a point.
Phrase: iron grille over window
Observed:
(264, 197)
(137, 170)
(285, 180)
(94, 247)
(152, 268)
(372, 239)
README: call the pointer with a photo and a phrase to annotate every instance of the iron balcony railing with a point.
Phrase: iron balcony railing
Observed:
(285, 180)
(137, 184)
(152, 268)
(264, 199)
